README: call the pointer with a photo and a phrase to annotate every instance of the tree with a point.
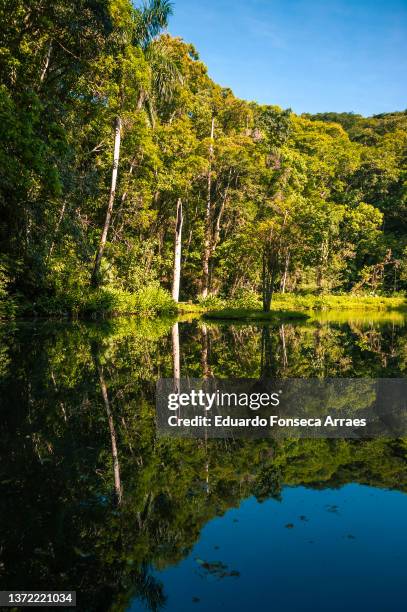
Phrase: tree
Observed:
(138, 33)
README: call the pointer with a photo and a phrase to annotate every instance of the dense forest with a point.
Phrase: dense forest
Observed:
(127, 174)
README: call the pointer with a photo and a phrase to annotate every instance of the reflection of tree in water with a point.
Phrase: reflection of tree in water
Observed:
(311, 350)
(62, 408)
(270, 357)
(113, 437)
(372, 340)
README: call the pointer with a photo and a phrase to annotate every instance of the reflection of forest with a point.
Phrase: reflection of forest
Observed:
(92, 498)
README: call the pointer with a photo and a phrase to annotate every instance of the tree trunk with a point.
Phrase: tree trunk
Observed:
(115, 456)
(177, 252)
(284, 279)
(116, 155)
(208, 220)
(323, 264)
(268, 274)
(46, 63)
(61, 216)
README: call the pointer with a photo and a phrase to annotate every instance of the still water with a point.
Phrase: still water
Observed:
(92, 500)
(338, 554)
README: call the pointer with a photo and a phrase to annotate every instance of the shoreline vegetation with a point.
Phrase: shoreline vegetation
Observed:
(131, 181)
(154, 302)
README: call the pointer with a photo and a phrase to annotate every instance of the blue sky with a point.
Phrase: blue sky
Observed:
(310, 55)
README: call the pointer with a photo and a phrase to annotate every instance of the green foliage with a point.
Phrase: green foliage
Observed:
(327, 302)
(247, 305)
(273, 201)
(211, 301)
(245, 298)
(154, 300)
(104, 302)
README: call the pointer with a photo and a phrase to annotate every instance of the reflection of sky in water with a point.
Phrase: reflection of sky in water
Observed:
(328, 550)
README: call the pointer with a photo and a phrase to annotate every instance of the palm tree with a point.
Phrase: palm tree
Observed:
(146, 23)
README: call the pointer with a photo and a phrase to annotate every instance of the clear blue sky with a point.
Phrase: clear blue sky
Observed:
(310, 55)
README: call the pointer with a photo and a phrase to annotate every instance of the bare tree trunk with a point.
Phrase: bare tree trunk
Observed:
(61, 216)
(208, 220)
(271, 272)
(115, 456)
(177, 252)
(323, 263)
(284, 279)
(270, 263)
(141, 100)
(217, 225)
(46, 63)
(116, 155)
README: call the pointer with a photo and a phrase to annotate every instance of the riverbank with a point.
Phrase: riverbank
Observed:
(335, 302)
(296, 303)
(153, 301)
(87, 303)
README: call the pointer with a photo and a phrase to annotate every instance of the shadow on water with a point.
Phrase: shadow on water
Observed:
(93, 500)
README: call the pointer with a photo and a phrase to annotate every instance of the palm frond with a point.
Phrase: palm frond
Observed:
(150, 19)
(166, 72)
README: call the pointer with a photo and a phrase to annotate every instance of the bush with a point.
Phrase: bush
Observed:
(154, 300)
(147, 302)
(245, 298)
(211, 301)
(105, 302)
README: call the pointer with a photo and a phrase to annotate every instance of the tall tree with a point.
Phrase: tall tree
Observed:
(138, 33)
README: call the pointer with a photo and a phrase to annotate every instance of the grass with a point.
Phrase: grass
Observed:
(189, 308)
(153, 301)
(214, 305)
(288, 306)
(249, 314)
(289, 301)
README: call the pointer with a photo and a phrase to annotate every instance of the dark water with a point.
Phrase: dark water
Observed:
(229, 525)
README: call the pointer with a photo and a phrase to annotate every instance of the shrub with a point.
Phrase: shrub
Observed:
(104, 302)
(245, 298)
(153, 299)
(211, 301)
(147, 302)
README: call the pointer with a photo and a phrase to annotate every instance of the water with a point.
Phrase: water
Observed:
(310, 525)
(338, 554)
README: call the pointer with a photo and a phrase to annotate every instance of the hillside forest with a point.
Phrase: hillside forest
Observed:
(129, 179)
